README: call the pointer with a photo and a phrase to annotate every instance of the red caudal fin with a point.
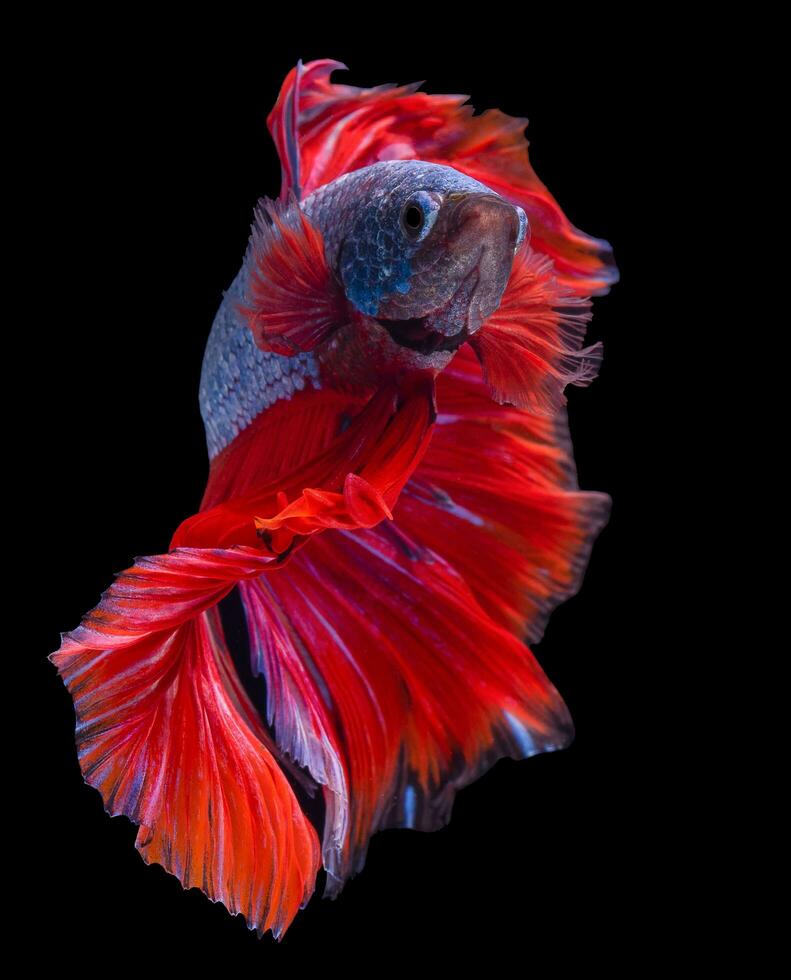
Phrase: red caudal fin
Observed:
(296, 302)
(352, 483)
(531, 346)
(323, 130)
(390, 683)
(167, 735)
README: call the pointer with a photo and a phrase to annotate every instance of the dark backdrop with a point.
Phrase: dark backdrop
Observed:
(153, 153)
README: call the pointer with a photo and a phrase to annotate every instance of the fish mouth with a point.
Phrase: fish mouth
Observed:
(444, 329)
(417, 334)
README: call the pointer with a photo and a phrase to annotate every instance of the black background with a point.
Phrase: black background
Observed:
(153, 151)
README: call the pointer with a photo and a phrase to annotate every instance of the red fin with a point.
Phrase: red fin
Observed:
(278, 441)
(497, 497)
(296, 302)
(354, 482)
(530, 347)
(167, 736)
(323, 130)
(283, 125)
(391, 684)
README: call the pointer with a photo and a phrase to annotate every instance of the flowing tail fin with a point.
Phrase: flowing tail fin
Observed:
(391, 684)
(392, 654)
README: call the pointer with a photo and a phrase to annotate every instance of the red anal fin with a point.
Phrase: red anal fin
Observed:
(295, 301)
(531, 346)
(170, 742)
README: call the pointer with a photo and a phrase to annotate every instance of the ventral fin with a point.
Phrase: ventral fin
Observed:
(294, 300)
(354, 482)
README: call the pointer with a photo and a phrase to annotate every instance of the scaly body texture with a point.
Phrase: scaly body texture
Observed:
(391, 502)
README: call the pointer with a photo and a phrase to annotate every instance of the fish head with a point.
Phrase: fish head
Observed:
(427, 253)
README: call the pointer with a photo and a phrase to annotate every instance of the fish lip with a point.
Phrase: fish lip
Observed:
(415, 334)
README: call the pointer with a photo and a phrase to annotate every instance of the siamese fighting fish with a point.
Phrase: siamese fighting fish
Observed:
(391, 512)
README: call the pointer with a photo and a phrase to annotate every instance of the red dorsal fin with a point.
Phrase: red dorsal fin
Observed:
(323, 129)
(283, 126)
(295, 302)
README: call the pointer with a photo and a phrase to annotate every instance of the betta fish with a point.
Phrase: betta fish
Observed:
(392, 507)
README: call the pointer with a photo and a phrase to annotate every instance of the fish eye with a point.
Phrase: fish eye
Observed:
(413, 217)
(418, 215)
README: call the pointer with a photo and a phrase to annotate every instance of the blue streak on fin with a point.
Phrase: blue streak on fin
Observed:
(521, 734)
(410, 802)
